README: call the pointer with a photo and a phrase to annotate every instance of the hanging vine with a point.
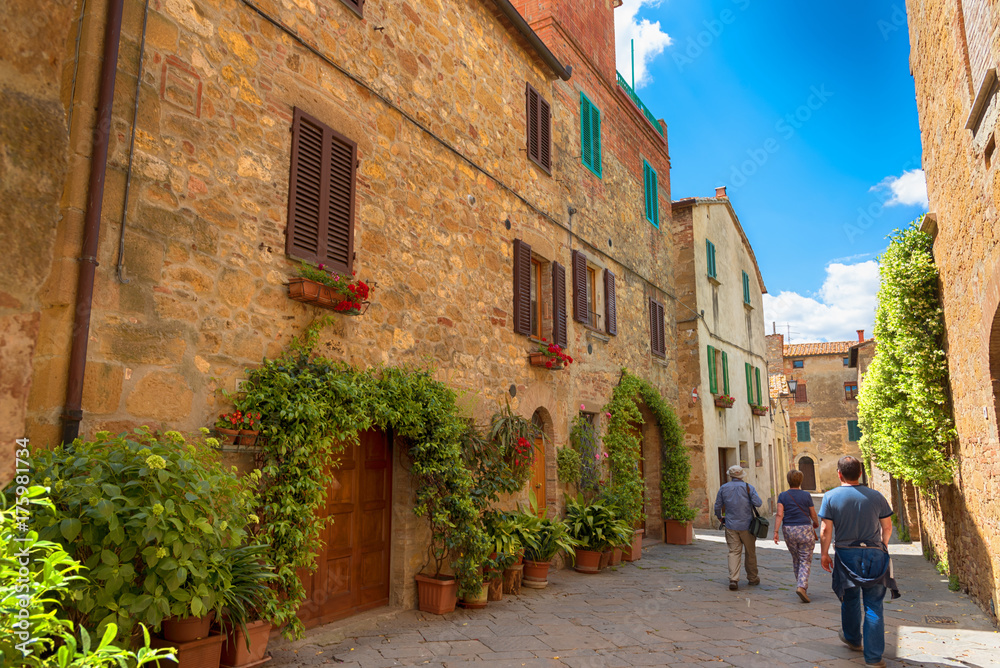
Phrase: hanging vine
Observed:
(903, 408)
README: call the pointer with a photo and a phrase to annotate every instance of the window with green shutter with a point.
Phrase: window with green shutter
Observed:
(725, 374)
(713, 382)
(710, 253)
(756, 373)
(652, 197)
(853, 431)
(802, 431)
(746, 288)
(749, 374)
(590, 135)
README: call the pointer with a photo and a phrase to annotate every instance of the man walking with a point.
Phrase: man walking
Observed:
(862, 521)
(733, 500)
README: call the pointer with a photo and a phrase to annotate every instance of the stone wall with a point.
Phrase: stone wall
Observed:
(34, 143)
(435, 101)
(963, 183)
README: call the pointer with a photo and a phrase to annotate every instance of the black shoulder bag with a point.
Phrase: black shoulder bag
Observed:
(759, 526)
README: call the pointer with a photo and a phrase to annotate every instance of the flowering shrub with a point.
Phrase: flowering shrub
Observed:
(353, 291)
(239, 420)
(557, 356)
(521, 458)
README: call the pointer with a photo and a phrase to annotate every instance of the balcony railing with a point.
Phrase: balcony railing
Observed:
(642, 107)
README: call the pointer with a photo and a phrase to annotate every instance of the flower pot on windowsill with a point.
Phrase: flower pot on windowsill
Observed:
(317, 294)
(759, 410)
(543, 360)
(227, 436)
(247, 437)
(724, 402)
(676, 532)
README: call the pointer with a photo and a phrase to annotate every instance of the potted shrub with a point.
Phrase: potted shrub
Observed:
(543, 539)
(507, 552)
(590, 526)
(550, 355)
(153, 517)
(247, 601)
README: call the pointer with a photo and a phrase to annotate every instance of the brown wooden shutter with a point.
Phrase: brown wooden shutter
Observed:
(357, 6)
(522, 287)
(321, 192)
(610, 303)
(580, 287)
(538, 116)
(559, 304)
(800, 393)
(532, 122)
(657, 341)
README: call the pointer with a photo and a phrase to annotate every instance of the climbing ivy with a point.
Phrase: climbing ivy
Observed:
(313, 408)
(903, 407)
(624, 449)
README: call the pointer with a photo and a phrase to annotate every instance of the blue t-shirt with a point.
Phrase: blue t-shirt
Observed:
(797, 504)
(855, 511)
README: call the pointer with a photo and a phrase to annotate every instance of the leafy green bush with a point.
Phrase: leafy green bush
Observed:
(595, 526)
(583, 438)
(903, 410)
(568, 466)
(151, 517)
(35, 579)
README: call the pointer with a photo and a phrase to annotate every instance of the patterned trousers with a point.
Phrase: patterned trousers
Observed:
(800, 540)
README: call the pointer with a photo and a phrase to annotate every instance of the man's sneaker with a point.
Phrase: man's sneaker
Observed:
(856, 648)
(753, 583)
(878, 664)
(734, 585)
(802, 594)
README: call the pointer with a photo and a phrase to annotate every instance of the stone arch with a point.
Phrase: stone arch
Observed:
(807, 464)
(538, 401)
(543, 420)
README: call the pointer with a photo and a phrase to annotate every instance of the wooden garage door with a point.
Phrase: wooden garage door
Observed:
(353, 564)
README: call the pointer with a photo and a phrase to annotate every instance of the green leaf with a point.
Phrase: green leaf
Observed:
(70, 528)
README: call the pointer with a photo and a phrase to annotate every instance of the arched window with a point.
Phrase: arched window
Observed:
(808, 468)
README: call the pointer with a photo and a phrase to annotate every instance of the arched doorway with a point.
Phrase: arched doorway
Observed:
(537, 484)
(808, 468)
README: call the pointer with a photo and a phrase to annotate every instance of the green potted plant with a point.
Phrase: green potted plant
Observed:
(724, 401)
(248, 601)
(543, 539)
(592, 527)
(508, 552)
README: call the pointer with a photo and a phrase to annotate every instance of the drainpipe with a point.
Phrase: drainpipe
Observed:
(73, 411)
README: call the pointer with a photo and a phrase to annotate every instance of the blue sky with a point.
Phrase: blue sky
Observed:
(806, 112)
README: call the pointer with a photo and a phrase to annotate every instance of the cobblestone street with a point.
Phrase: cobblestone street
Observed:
(672, 608)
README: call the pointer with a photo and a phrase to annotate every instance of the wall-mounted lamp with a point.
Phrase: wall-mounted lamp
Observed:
(792, 385)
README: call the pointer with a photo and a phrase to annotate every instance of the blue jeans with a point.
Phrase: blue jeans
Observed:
(861, 608)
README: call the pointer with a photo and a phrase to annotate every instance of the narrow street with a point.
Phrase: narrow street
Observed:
(672, 608)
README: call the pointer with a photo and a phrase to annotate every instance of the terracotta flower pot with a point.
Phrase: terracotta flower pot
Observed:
(437, 594)
(512, 579)
(234, 650)
(541, 359)
(536, 574)
(202, 653)
(247, 437)
(587, 561)
(678, 533)
(605, 559)
(616, 556)
(479, 600)
(185, 629)
(227, 436)
(635, 552)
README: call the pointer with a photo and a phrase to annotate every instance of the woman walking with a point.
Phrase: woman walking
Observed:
(798, 521)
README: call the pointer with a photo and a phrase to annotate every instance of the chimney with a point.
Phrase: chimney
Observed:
(861, 336)
(720, 192)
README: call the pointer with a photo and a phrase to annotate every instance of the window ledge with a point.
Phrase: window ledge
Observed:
(986, 90)
(595, 333)
(713, 280)
(661, 361)
(748, 307)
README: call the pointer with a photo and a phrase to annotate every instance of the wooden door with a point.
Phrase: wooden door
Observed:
(537, 482)
(808, 469)
(353, 564)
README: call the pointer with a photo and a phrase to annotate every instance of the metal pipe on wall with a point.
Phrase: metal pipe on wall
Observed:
(73, 411)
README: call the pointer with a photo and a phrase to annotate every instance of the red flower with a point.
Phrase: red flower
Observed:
(544, 339)
(548, 364)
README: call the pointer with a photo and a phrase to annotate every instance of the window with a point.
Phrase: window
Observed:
(718, 366)
(356, 6)
(850, 391)
(802, 431)
(590, 135)
(581, 310)
(522, 287)
(800, 393)
(536, 298)
(847, 361)
(539, 122)
(657, 343)
(753, 383)
(746, 288)
(610, 304)
(853, 431)
(559, 304)
(710, 252)
(591, 296)
(798, 364)
(652, 194)
(758, 455)
(756, 373)
(321, 194)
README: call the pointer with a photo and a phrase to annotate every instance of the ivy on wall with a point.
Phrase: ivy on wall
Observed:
(903, 408)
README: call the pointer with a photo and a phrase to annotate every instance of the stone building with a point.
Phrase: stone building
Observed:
(498, 188)
(725, 404)
(823, 409)
(954, 50)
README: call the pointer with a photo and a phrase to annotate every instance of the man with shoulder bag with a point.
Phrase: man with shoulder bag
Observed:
(736, 507)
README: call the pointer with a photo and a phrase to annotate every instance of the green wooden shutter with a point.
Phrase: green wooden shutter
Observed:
(746, 288)
(586, 148)
(746, 369)
(853, 432)
(710, 254)
(756, 373)
(595, 130)
(725, 373)
(802, 431)
(652, 200)
(713, 383)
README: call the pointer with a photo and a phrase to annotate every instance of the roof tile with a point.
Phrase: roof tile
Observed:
(825, 348)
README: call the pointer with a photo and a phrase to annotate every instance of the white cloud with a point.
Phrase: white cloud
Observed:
(650, 40)
(907, 189)
(844, 304)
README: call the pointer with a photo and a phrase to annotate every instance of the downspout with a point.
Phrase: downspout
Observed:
(73, 411)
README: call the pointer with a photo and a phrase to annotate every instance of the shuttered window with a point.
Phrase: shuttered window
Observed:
(580, 313)
(746, 288)
(590, 135)
(539, 115)
(559, 304)
(357, 6)
(321, 195)
(802, 434)
(853, 431)
(713, 380)
(610, 304)
(710, 253)
(800, 393)
(522, 287)
(749, 374)
(652, 194)
(657, 342)
(725, 373)
(756, 374)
